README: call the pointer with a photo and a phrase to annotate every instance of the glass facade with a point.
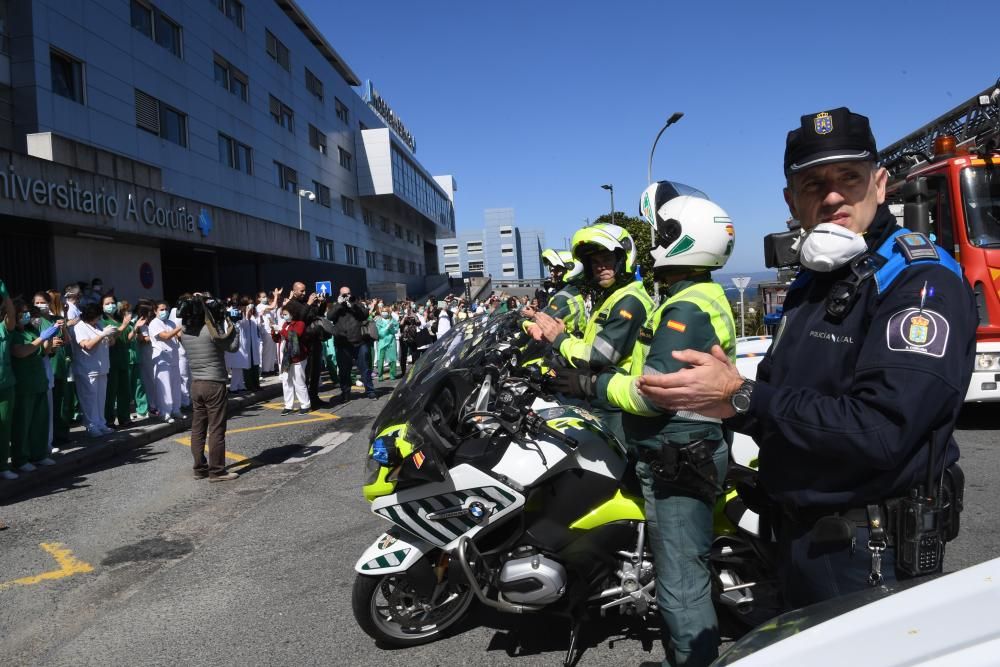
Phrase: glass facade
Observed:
(410, 184)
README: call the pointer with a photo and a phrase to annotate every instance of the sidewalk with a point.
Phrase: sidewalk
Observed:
(83, 452)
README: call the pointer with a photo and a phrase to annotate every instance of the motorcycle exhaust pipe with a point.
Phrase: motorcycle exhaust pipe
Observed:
(499, 604)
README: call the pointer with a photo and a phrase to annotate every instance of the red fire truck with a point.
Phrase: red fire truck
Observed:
(945, 180)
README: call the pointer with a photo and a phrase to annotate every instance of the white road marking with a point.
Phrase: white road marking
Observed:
(322, 445)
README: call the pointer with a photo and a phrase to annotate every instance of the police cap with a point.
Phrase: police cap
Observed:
(837, 135)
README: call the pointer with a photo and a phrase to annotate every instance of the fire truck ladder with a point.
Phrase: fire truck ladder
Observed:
(974, 123)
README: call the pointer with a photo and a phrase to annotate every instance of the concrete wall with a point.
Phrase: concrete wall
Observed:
(81, 259)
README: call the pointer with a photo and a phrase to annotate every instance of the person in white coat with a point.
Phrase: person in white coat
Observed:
(164, 336)
(266, 323)
(90, 368)
(239, 361)
(182, 361)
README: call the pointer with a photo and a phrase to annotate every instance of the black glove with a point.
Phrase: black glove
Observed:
(581, 383)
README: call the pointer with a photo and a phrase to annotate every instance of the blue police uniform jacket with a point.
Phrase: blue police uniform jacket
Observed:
(843, 410)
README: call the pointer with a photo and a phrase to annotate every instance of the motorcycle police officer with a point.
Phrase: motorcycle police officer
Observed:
(855, 402)
(607, 255)
(683, 456)
(566, 302)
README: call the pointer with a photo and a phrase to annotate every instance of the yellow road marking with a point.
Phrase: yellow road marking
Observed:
(68, 566)
(317, 417)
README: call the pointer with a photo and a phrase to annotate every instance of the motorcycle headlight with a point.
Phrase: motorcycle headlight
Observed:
(987, 361)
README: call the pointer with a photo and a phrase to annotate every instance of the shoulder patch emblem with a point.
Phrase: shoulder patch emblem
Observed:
(677, 326)
(913, 330)
(645, 336)
(915, 246)
(624, 313)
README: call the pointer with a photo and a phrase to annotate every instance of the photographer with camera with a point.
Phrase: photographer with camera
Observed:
(349, 317)
(206, 335)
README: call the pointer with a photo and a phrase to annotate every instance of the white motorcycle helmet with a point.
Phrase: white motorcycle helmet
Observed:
(692, 232)
(563, 258)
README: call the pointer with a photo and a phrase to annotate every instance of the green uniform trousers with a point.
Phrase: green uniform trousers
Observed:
(63, 400)
(30, 435)
(118, 402)
(6, 425)
(680, 536)
(138, 389)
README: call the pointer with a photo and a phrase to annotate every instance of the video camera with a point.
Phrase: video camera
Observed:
(781, 249)
(192, 311)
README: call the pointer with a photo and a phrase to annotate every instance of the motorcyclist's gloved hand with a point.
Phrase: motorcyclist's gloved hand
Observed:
(49, 333)
(572, 382)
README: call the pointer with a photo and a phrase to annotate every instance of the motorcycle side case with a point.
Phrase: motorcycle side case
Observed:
(394, 551)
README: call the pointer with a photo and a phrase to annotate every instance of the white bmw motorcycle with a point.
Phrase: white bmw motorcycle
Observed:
(499, 493)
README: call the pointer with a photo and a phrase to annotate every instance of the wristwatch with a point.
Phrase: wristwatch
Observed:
(740, 400)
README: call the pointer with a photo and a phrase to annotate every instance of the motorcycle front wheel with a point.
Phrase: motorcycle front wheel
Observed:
(390, 611)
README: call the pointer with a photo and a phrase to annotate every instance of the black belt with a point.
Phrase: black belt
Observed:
(807, 518)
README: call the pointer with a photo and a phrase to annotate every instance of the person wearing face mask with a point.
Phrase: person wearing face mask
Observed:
(145, 313)
(95, 293)
(164, 336)
(855, 403)
(387, 328)
(30, 430)
(608, 255)
(182, 360)
(63, 404)
(267, 322)
(118, 403)
(55, 361)
(239, 361)
(91, 364)
(293, 353)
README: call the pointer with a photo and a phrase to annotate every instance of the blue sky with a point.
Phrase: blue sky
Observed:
(533, 105)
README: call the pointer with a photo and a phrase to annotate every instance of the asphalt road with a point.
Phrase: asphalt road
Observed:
(136, 563)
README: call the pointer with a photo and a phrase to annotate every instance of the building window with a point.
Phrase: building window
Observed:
(371, 259)
(156, 25)
(231, 78)
(347, 206)
(288, 179)
(324, 248)
(161, 119)
(282, 114)
(506, 231)
(508, 270)
(233, 9)
(277, 50)
(234, 154)
(343, 113)
(452, 268)
(67, 76)
(322, 193)
(476, 265)
(345, 158)
(384, 223)
(474, 246)
(400, 265)
(507, 250)
(413, 268)
(409, 235)
(317, 139)
(314, 85)
(387, 262)
(353, 254)
(399, 231)
(450, 251)
(368, 217)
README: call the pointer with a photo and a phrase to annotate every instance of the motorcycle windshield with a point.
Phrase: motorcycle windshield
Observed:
(462, 347)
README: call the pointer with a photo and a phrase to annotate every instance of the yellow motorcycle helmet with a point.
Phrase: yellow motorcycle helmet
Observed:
(563, 259)
(605, 236)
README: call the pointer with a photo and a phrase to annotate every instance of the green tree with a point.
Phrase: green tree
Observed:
(642, 235)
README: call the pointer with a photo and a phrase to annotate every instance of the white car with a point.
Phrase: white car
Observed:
(947, 621)
(749, 351)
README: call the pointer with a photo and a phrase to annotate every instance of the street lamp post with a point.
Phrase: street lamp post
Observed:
(674, 117)
(741, 283)
(611, 188)
(304, 193)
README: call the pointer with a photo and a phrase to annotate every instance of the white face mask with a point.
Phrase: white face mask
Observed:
(43, 308)
(829, 246)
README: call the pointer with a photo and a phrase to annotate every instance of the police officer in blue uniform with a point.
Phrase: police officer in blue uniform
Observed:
(855, 403)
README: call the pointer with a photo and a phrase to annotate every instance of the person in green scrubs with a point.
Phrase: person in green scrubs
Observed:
(119, 393)
(7, 382)
(30, 431)
(58, 360)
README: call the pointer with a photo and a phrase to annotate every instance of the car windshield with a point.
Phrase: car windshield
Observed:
(462, 347)
(981, 196)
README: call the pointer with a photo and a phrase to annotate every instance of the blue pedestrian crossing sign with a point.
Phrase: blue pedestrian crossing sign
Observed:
(324, 288)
